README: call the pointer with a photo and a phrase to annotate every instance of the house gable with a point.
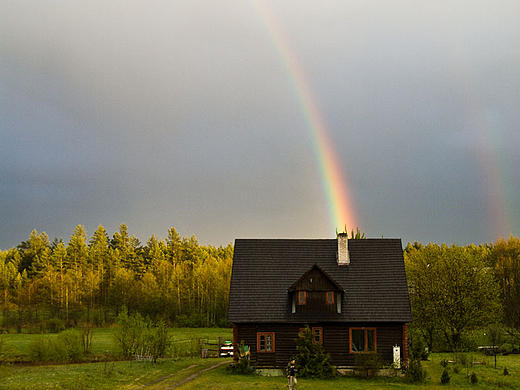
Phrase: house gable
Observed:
(315, 292)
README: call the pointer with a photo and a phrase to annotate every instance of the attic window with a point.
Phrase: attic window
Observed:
(302, 297)
(329, 297)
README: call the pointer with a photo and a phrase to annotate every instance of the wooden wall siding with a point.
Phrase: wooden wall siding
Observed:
(316, 303)
(335, 342)
(315, 280)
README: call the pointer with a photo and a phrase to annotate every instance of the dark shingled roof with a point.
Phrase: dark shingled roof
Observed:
(265, 269)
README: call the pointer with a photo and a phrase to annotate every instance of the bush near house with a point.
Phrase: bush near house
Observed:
(312, 361)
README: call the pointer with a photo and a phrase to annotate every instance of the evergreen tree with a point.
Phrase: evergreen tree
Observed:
(77, 250)
(32, 249)
(312, 361)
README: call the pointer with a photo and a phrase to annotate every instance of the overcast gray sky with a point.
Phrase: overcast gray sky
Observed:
(183, 113)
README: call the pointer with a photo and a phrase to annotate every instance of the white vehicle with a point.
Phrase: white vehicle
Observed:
(226, 350)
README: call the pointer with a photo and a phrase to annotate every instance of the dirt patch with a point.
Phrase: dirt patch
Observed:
(163, 378)
(192, 377)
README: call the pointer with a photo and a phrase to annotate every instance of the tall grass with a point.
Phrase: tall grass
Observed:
(19, 347)
(67, 347)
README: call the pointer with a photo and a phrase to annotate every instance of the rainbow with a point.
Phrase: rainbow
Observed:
(499, 210)
(339, 201)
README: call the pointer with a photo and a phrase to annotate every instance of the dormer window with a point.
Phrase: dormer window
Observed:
(315, 292)
(302, 297)
(329, 297)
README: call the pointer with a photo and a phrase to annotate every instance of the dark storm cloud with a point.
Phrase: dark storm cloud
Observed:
(171, 113)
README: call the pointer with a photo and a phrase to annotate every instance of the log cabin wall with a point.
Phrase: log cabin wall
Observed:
(335, 341)
(315, 281)
(316, 285)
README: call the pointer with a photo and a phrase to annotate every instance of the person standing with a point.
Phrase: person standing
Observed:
(291, 374)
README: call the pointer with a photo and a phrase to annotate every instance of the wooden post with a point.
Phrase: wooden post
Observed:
(405, 344)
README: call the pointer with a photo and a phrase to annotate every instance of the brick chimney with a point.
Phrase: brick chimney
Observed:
(343, 257)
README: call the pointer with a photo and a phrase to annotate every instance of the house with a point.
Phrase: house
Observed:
(352, 293)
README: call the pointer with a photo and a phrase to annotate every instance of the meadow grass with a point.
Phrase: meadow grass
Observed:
(102, 376)
(18, 345)
(488, 378)
(461, 366)
(167, 372)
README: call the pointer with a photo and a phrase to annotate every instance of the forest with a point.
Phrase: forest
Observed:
(458, 293)
(47, 286)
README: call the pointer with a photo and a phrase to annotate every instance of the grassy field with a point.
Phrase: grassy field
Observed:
(168, 372)
(110, 375)
(488, 377)
(18, 345)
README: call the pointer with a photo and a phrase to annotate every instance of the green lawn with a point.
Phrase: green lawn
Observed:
(488, 378)
(110, 375)
(167, 372)
(163, 375)
(483, 366)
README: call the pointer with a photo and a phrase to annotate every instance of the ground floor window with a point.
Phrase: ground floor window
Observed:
(317, 334)
(362, 340)
(265, 342)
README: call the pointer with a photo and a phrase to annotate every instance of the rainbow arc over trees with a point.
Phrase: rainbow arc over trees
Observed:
(499, 214)
(339, 201)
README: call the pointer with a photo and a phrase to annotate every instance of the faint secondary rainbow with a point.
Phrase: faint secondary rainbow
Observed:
(339, 200)
(499, 213)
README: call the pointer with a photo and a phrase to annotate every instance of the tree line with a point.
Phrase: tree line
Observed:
(456, 290)
(453, 289)
(89, 280)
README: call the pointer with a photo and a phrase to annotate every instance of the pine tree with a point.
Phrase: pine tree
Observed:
(312, 361)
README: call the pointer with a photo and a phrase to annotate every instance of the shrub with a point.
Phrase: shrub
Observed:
(445, 377)
(505, 372)
(65, 348)
(462, 359)
(243, 365)
(70, 345)
(158, 340)
(419, 350)
(367, 365)
(86, 340)
(312, 361)
(129, 334)
(40, 350)
(414, 372)
(473, 378)
(54, 325)
(223, 323)
(57, 351)
(136, 336)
